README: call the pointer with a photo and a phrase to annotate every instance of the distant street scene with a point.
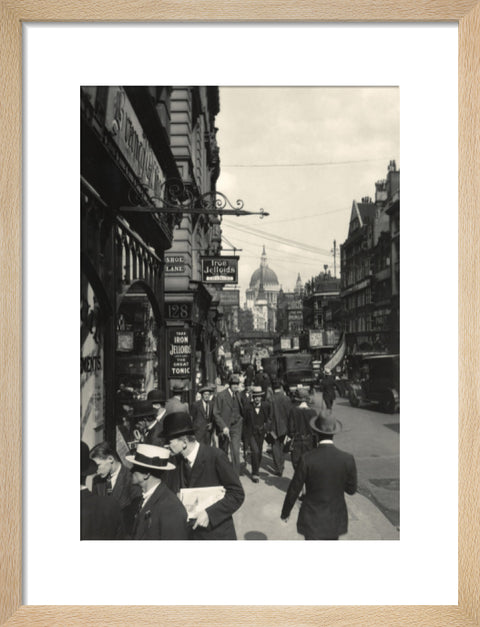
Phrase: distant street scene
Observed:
(240, 313)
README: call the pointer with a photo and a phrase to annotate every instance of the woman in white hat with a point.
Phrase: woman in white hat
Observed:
(161, 515)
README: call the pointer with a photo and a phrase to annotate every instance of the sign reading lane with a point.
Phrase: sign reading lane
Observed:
(220, 269)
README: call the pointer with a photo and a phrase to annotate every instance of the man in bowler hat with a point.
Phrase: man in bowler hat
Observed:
(327, 473)
(202, 415)
(201, 466)
(161, 516)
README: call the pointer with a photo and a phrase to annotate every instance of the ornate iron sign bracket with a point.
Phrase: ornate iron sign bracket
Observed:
(178, 198)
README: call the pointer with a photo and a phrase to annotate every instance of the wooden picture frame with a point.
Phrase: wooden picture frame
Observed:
(13, 13)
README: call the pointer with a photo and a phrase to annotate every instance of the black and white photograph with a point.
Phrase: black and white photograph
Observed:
(240, 313)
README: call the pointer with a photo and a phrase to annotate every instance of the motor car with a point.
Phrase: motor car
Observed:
(377, 380)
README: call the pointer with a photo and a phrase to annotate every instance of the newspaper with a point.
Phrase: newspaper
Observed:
(198, 499)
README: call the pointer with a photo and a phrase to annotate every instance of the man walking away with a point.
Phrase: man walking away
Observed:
(299, 428)
(327, 473)
(280, 409)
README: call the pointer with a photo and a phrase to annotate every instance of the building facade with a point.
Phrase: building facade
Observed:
(130, 154)
(367, 282)
(262, 295)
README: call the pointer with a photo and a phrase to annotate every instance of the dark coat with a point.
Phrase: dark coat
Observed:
(227, 410)
(212, 468)
(281, 406)
(100, 517)
(123, 491)
(256, 424)
(327, 473)
(163, 517)
(128, 495)
(174, 405)
(328, 390)
(202, 422)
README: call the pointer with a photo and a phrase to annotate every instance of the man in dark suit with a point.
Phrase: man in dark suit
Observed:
(280, 409)
(257, 422)
(328, 388)
(175, 402)
(299, 429)
(113, 479)
(161, 516)
(100, 516)
(202, 415)
(201, 466)
(228, 417)
(327, 473)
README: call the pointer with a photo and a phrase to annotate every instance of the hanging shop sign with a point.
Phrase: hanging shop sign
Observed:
(180, 353)
(175, 264)
(230, 298)
(220, 269)
(128, 134)
(285, 343)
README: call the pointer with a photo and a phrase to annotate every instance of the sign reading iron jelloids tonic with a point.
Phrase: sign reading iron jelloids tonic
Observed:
(179, 353)
(220, 269)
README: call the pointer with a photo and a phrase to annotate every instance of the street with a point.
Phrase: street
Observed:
(373, 438)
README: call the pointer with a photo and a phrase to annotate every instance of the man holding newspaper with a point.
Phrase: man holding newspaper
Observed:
(204, 479)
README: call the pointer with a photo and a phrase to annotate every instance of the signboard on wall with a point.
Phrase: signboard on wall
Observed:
(220, 269)
(179, 353)
(315, 338)
(175, 264)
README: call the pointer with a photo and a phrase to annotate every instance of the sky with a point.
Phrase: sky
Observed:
(303, 154)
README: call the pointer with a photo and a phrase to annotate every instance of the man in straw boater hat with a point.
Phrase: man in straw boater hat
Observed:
(161, 515)
(327, 473)
(202, 466)
(257, 422)
(202, 415)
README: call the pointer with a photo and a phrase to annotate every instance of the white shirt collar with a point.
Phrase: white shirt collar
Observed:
(326, 442)
(148, 494)
(192, 456)
(114, 476)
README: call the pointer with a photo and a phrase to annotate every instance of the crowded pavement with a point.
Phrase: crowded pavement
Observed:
(373, 511)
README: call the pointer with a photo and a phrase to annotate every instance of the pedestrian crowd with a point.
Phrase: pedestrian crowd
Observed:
(181, 477)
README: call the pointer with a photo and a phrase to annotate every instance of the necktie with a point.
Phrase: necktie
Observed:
(187, 471)
(108, 486)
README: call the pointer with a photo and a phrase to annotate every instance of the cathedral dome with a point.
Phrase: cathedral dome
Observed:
(263, 274)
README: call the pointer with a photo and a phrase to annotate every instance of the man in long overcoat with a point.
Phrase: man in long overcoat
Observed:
(280, 409)
(228, 417)
(327, 473)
